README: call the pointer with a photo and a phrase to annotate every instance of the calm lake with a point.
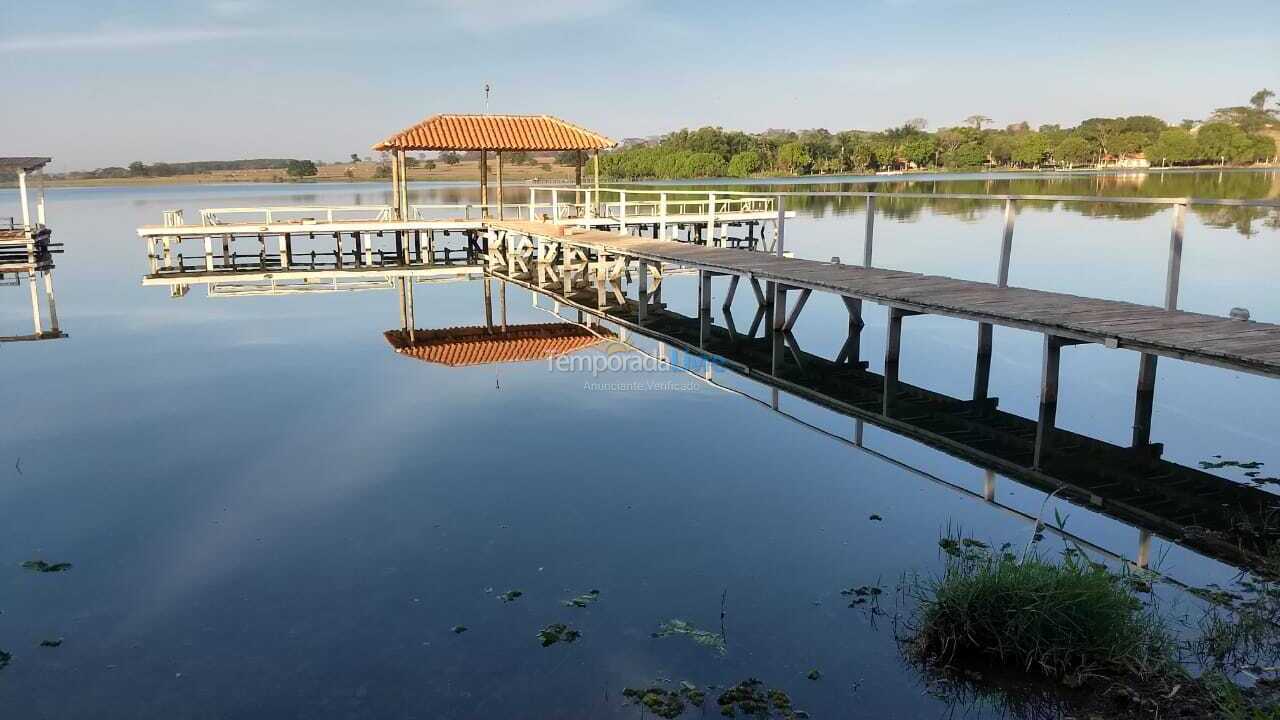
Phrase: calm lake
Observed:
(271, 514)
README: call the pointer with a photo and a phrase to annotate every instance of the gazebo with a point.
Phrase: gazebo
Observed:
(488, 133)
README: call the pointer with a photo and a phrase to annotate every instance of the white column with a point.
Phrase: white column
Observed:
(622, 213)
(662, 216)
(22, 191)
(711, 219)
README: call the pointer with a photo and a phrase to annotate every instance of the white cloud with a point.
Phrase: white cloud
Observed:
(117, 39)
(478, 15)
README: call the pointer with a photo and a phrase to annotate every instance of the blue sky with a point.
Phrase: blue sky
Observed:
(108, 82)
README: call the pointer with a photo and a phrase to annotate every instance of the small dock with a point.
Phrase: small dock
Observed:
(27, 249)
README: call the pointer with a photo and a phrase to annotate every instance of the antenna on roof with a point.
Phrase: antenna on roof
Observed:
(486, 98)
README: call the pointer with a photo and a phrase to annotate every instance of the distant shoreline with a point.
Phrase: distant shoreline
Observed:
(557, 175)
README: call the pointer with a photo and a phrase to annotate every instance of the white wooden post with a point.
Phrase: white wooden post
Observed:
(35, 301)
(26, 210)
(869, 237)
(781, 202)
(208, 252)
(1174, 272)
(662, 216)
(284, 251)
(533, 202)
(40, 197)
(622, 213)
(711, 219)
(555, 205)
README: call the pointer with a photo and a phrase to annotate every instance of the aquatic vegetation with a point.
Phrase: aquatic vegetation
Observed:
(557, 632)
(51, 643)
(582, 600)
(4, 659)
(459, 629)
(659, 701)
(814, 674)
(45, 567)
(1062, 619)
(875, 517)
(750, 698)
(860, 595)
(510, 595)
(663, 702)
(705, 638)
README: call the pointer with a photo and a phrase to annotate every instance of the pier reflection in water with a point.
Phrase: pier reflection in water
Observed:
(1211, 515)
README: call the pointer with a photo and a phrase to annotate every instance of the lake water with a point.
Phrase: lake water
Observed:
(271, 514)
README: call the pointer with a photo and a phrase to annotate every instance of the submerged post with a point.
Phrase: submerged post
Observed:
(1049, 372)
(892, 354)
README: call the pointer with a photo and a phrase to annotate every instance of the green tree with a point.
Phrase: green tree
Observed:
(301, 168)
(1030, 149)
(137, 169)
(1220, 141)
(966, 155)
(794, 158)
(919, 149)
(449, 157)
(1073, 150)
(1130, 142)
(1175, 146)
(745, 163)
(355, 158)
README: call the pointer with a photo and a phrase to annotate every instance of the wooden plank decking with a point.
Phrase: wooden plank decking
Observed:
(1240, 345)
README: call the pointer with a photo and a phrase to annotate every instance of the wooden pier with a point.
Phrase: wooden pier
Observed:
(27, 249)
(1063, 319)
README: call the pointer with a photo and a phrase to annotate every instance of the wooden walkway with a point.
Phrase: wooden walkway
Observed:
(1239, 345)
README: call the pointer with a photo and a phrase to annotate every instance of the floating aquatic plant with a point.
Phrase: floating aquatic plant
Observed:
(663, 702)
(814, 674)
(705, 638)
(4, 659)
(752, 699)
(51, 643)
(459, 629)
(582, 600)
(45, 567)
(557, 632)
(510, 595)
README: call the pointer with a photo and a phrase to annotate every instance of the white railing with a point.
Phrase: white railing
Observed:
(470, 211)
(561, 204)
(293, 213)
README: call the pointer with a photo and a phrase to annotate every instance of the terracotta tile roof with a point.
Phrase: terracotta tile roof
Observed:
(495, 132)
(462, 346)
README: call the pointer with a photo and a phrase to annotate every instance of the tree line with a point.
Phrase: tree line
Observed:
(1231, 135)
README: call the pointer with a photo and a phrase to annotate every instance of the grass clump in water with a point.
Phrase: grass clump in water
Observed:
(1065, 619)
